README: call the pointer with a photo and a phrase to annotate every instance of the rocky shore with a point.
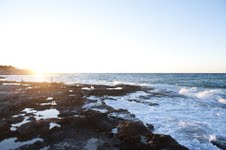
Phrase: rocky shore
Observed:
(57, 116)
(11, 70)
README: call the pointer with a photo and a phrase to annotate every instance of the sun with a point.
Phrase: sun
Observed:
(39, 71)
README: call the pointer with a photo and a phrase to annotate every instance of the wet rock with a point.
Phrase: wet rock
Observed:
(89, 119)
(150, 126)
(152, 104)
(67, 114)
(4, 125)
(99, 120)
(35, 146)
(131, 131)
(160, 141)
(144, 102)
(33, 129)
(122, 116)
(4, 128)
(2, 77)
(220, 142)
(76, 99)
(5, 109)
(104, 90)
(73, 121)
(16, 119)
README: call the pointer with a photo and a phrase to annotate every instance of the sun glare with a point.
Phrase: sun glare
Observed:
(39, 71)
(41, 75)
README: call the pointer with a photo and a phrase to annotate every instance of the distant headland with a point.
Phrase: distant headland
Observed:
(11, 70)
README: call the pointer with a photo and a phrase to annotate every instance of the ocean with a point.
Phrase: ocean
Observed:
(191, 107)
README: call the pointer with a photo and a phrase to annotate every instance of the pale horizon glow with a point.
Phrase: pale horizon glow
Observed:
(114, 36)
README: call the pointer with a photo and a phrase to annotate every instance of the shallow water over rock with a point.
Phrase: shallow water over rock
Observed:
(12, 143)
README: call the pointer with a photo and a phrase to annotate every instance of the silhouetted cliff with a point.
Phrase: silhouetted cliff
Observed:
(9, 70)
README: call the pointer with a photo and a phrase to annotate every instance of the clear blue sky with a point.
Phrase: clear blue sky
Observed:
(114, 36)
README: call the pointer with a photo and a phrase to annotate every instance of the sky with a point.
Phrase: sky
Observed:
(151, 36)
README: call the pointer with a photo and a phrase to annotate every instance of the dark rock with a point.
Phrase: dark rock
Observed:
(16, 119)
(220, 143)
(144, 102)
(74, 121)
(8, 70)
(32, 129)
(89, 119)
(160, 141)
(103, 90)
(99, 120)
(153, 104)
(150, 126)
(66, 114)
(76, 99)
(131, 131)
(5, 130)
(4, 125)
(35, 146)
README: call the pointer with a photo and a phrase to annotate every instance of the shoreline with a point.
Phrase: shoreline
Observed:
(55, 115)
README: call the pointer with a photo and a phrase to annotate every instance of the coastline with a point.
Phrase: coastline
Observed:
(11, 70)
(77, 119)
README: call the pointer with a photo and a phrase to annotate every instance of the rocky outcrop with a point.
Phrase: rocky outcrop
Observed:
(76, 127)
(10, 70)
(135, 135)
(220, 142)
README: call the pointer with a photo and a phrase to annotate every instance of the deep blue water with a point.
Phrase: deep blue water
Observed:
(177, 79)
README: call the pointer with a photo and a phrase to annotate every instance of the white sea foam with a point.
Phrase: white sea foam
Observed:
(52, 125)
(49, 98)
(200, 93)
(46, 114)
(212, 138)
(93, 98)
(205, 94)
(187, 90)
(100, 110)
(222, 100)
(116, 88)
(16, 125)
(10, 83)
(132, 96)
(53, 103)
(114, 131)
(88, 88)
(116, 82)
(94, 104)
(18, 115)
(124, 116)
(186, 120)
(29, 110)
